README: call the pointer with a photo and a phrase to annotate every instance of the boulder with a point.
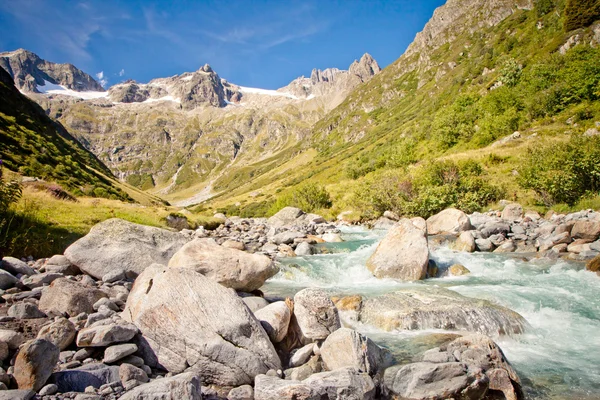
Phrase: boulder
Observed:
(39, 280)
(16, 394)
(118, 351)
(25, 311)
(104, 335)
(458, 269)
(182, 386)
(485, 245)
(61, 333)
(116, 244)
(300, 356)
(61, 264)
(131, 376)
(64, 295)
(230, 267)
(34, 364)
(14, 266)
(424, 381)
(589, 230)
(255, 303)
(403, 253)
(348, 348)
(285, 216)
(303, 249)
(465, 242)
(275, 319)
(244, 392)
(512, 212)
(78, 379)
(332, 237)
(11, 338)
(190, 320)
(439, 308)
(316, 314)
(450, 220)
(594, 265)
(7, 280)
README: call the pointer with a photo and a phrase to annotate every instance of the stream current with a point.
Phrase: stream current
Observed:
(558, 357)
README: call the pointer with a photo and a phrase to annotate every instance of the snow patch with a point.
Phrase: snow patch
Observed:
(187, 78)
(164, 98)
(51, 88)
(267, 92)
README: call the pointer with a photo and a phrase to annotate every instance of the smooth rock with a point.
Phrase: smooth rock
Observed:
(183, 386)
(348, 348)
(458, 270)
(285, 216)
(589, 230)
(14, 266)
(104, 335)
(244, 392)
(512, 212)
(275, 319)
(255, 303)
(316, 314)
(303, 249)
(403, 253)
(594, 265)
(450, 221)
(77, 380)
(11, 338)
(117, 352)
(230, 267)
(439, 308)
(7, 280)
(61, 264)
(61, 333)
(39, 280)
(465, 242)
(34, 364)
(25, 311)
(48, 390)
(64, 295)
(332, 237)
(116, 244)
(190, 320)
(301, 355)
(131, 376)
(16, 394)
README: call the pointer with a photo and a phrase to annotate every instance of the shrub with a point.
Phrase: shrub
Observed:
(581, 13)
(309, 197)
(563, 173)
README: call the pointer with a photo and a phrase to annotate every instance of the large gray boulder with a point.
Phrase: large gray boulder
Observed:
(188, 320)
(64, 295)
(589, 230)
(231, 268)
(403, 253)
(348, 348)
(450, 220)
(439, 308)
(285, 216)
(76, 380)
(182, 386)
(116, 244)
(344, 383)
(16, 266)
(316, 315)
(512, 212)
(34, 364)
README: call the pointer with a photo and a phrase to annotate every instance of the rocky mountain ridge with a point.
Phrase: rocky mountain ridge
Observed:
(30, 72)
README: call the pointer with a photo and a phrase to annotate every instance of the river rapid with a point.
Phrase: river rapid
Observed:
(558, 357)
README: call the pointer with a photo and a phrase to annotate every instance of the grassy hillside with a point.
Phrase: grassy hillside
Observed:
(36, 146)
(420, 136)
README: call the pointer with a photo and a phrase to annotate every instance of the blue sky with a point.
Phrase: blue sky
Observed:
(262, 44)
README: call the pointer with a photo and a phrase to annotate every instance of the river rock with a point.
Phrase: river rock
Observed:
(484, 245)
(11, 338)
(64, 295)
(316, 314)
(589, 230)
(424, 381)
(344, 383)
(16, 394)
(25, 311)
(7, 280)
(61, 264)
(465, 242)
(190, 320)
(439, 308)
(230, 267)
(348, 348)
(285, 216)
(275, 319)
(131, 376)
(61, 333)
(116, 244)
(303, 249)
(118, 351)
(104, 335)
(594, 265)
(34, 364)
(14, 266)
(39, 280)
(512, 212)
(78, 379)
(403, 253)
(458, 269)
(244, 392)
(332, 237)
(450, 220)
(255, 303)
(300, 356)
(182, 386)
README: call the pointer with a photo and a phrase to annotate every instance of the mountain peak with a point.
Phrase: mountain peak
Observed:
(365, 68)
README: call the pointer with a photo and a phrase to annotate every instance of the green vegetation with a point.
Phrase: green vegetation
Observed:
(34, 145)
(581, 13)
(10, 192)
(308, 196)
(563, 173)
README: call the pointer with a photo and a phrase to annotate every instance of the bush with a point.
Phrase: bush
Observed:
(10, 192)
(308, 197)
(563, 173)
(581, 13)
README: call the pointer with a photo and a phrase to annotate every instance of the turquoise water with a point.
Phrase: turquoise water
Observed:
(557, 358)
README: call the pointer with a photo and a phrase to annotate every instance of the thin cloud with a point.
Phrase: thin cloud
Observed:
(102, 79)
(122, 72)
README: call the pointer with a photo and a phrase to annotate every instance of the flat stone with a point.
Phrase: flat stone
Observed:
(117, 352)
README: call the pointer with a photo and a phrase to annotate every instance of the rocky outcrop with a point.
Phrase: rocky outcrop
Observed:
(191, 321)
(438, 308)
(118, 245)
(231, 268)
(403, 253)
(30, 71)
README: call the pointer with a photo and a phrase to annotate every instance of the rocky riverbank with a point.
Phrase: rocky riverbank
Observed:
(131, 311)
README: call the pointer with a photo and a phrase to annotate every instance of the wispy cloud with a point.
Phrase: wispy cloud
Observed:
(122, 72)
(102, 79)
